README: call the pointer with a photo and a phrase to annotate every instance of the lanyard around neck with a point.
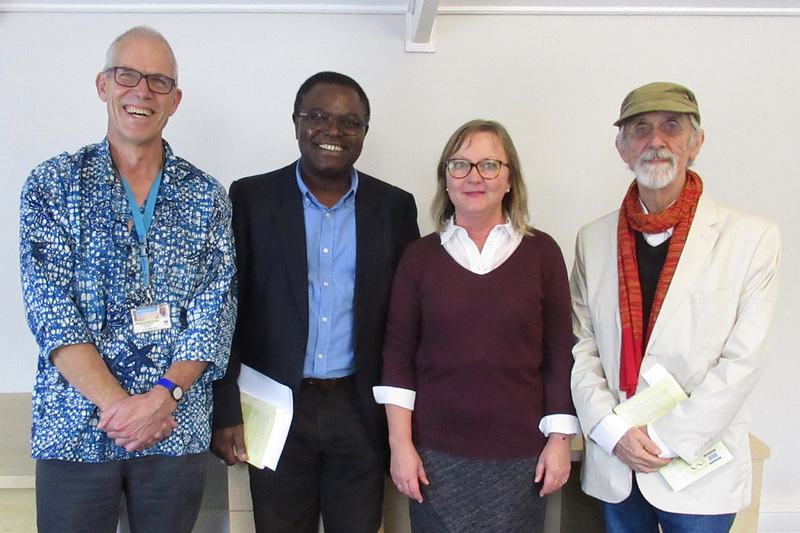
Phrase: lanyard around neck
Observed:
(142, 223)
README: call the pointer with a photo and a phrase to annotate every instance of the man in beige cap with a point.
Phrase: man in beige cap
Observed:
(672, 286)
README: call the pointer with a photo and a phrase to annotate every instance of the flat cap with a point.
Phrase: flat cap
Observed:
(658, 96)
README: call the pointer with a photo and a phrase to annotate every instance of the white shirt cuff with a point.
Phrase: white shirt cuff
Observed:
(566, 424)
(395, 396)
(608, 432)
(666, 451)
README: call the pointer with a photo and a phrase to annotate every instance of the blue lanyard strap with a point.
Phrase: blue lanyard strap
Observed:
(142, 223)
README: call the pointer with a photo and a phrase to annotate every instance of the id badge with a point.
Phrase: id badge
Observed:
(151, 317)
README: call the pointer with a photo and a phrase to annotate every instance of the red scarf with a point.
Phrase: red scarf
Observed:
(631, 219)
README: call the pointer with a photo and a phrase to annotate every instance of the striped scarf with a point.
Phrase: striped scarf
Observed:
(631, 219)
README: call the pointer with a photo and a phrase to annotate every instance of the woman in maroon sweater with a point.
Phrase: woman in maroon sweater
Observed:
(477, 353)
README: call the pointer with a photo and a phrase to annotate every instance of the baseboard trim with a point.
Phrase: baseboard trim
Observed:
(779, 518)
(17, 482)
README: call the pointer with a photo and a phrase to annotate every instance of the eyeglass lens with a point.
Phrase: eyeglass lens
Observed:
(128, 77)
(643, 130)
(348, 124)
(487, 168)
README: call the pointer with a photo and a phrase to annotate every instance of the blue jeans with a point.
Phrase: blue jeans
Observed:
(637, 515)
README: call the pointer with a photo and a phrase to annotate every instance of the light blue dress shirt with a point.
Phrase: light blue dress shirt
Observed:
(331, 254)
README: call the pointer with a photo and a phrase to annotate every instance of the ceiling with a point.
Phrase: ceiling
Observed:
(402, 6)
(420, 14)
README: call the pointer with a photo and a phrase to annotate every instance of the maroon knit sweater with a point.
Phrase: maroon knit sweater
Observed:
(488, 355)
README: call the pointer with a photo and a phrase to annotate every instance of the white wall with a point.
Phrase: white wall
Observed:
(556, 82)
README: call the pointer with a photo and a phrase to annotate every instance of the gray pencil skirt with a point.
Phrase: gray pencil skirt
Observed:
(478, 496)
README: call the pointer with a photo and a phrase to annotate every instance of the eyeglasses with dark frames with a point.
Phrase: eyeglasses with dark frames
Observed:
(321, 121)
(488, 169)
(128, 77)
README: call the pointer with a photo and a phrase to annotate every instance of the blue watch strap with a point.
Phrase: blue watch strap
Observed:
(164, 382)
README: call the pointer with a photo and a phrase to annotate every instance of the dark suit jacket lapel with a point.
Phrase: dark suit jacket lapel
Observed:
(290, 226)
(369, 234)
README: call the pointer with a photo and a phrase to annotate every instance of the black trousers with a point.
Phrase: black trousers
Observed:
(328, 467)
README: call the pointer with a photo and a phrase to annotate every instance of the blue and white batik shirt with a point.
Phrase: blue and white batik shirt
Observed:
(81, 276)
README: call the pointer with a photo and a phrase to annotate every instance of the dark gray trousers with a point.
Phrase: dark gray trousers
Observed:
(162, 494)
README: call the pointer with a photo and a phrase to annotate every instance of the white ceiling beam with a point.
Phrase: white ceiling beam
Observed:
(420, 19)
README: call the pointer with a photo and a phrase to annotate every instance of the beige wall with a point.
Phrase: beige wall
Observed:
(555, 81)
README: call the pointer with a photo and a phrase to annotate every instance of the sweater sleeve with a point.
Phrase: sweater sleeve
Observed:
(404, 325)
(557, 331)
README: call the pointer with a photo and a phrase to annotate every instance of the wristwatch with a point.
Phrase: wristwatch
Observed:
(175, 390)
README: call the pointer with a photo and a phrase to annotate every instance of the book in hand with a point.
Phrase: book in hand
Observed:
(680, 474)
(654, 402)
(267, 411)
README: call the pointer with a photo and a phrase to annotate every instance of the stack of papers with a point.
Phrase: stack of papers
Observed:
(267, 411)
(654, 402)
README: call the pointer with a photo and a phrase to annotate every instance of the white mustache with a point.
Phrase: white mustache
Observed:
(657, 154)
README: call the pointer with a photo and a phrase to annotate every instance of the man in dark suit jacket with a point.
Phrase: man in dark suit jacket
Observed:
(317, 246)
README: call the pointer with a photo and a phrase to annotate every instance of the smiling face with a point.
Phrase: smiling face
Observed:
(474, 197)
(329, 154)
(136, 115)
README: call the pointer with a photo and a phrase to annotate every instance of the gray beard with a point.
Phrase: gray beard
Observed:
(655, 176)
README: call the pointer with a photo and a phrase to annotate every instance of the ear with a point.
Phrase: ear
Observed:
(366, 129)
(621, 149)
(100, 83)
(176, 100)
(700, 136)
(296, 126)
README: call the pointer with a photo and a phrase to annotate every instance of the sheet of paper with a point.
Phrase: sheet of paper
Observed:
(654, 402)
(679, 474)
(651, 403)
(267, 411)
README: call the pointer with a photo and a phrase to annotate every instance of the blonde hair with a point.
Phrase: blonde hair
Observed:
(515, 202)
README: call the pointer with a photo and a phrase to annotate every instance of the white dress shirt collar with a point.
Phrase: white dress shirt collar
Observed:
(502, 241)
(654, 239)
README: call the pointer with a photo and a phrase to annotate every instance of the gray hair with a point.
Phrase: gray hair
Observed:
(696, 130)
(148, 33)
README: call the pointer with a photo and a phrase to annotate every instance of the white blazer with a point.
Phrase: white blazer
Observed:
(711, 334)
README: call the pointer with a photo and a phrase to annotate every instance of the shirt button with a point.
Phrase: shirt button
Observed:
(325, 250)
(324, 319)
(328, 215)
(325, 283)
(319, 356)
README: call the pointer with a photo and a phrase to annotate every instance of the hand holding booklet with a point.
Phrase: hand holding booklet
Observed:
(654, 402)
(267, 411)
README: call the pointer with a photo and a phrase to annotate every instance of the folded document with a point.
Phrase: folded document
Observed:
(654, 402)
(267, 411)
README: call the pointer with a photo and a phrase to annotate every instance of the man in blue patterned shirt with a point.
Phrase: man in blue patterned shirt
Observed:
(127, 265)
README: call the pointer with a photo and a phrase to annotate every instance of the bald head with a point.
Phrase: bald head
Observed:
(141, 32)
